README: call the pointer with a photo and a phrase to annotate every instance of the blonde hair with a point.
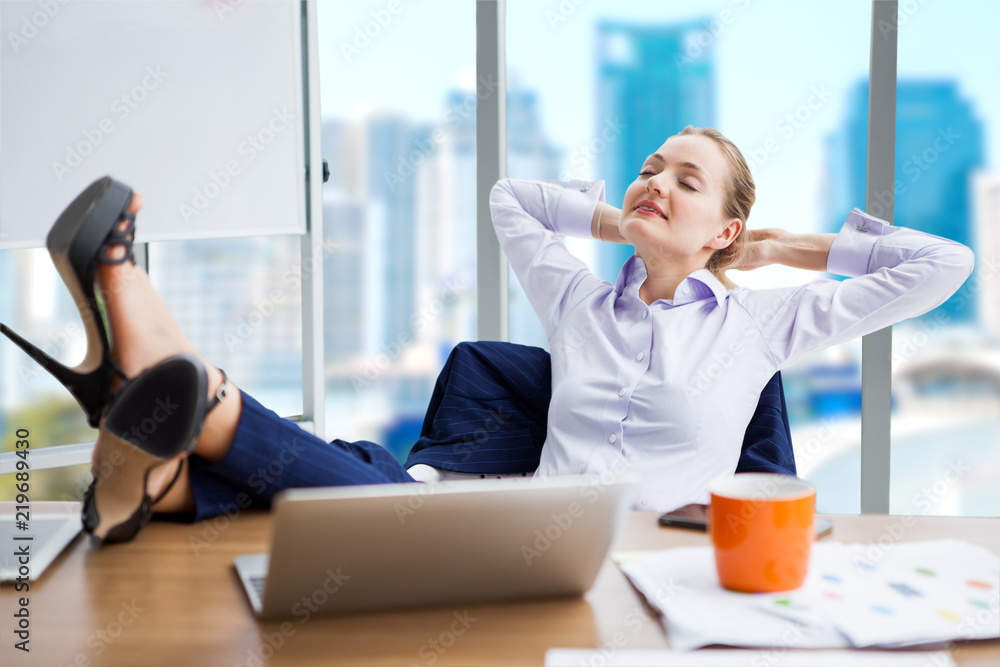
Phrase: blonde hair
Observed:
(740, 194)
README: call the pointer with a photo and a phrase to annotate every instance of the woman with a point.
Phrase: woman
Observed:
(633, 379)
(660, 372)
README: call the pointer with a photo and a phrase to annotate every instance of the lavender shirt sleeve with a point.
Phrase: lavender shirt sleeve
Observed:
(895, 273)
(530, 219)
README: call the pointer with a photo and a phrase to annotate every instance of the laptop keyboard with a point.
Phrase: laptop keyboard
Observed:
(258, 585)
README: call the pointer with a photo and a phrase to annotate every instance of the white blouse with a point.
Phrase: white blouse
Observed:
(667, 390)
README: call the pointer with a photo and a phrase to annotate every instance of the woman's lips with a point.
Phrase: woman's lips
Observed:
(656, 210)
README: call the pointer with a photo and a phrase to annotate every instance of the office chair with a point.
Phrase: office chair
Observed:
(489, 411)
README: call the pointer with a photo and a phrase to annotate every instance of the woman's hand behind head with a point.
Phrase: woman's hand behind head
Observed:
(761, 248)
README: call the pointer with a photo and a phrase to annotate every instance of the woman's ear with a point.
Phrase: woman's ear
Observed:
(727, 235)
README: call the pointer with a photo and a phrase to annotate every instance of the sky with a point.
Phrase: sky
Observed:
(428, 46)
(772, 58)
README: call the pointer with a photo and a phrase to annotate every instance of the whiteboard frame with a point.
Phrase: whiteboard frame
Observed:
(313, 376)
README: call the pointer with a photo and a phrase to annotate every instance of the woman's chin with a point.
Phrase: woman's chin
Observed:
(629, 228)
(637, 230)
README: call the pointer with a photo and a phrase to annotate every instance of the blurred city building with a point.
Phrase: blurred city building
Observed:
(239, 301)
(649, 80)
(939, 146)
(409, 226)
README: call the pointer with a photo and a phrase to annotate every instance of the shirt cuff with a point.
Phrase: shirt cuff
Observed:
(851, 251)
(576, 207)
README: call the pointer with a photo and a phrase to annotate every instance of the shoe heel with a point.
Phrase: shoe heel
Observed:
(162, 411)
(155, 417)
(77, 243)
(116, 506)
(88, 388)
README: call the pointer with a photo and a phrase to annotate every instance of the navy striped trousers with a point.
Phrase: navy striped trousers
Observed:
(488, 414)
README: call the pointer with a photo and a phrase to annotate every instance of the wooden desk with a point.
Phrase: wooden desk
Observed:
(160, 601)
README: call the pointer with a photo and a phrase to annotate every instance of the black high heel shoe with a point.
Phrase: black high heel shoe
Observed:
(81, 238)
(154, 417)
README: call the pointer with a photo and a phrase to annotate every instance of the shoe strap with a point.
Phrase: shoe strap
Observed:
(123, 237)
(220, 394)
(147, 502)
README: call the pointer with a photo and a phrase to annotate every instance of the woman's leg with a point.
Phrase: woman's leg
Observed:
(143, 333)
(269, 454)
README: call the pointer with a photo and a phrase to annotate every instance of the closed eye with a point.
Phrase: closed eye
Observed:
(689, 187)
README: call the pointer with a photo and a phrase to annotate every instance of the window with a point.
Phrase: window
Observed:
(399, 92)
(35, 303)
(632, 74)
(239, 302)
(946, 364)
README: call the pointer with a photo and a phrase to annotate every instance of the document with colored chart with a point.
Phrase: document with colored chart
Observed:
(900, 593)
(890, 594)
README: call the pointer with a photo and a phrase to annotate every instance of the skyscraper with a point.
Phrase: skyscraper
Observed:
(939, 145)
(651, 82)
(394, 151)
(350, 221)
(529, 149)
(344, 226)
(238, 300)
(530, 155)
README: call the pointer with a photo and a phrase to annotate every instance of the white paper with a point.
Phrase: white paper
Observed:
(902, 594)
(564, 657)
(683, 585)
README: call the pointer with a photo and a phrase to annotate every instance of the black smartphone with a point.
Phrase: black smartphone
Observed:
(695, 517)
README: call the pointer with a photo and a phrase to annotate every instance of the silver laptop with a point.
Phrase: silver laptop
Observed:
(359, 548)
(29, 547)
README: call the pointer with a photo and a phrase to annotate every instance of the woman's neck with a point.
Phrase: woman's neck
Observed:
(664, 275)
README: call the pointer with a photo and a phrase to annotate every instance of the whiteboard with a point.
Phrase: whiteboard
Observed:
(196, 104)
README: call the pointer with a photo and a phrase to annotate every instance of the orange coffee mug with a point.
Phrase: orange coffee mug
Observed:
(761, 526)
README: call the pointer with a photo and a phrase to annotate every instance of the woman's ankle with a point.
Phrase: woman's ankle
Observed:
(221, 423)
(179, 498)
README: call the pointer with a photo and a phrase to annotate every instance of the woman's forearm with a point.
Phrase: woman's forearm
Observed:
(608, 216)
(802, 251)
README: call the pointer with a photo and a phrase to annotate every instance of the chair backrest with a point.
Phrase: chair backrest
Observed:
(489, 410)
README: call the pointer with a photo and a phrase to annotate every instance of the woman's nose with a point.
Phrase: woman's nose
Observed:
(653, 184)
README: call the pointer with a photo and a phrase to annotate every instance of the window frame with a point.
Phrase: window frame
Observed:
(876, 351)
(492, 267)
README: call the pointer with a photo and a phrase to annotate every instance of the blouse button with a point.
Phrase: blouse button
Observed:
(639, 356)
(612, 438)
(645, 314)
(621, 392)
